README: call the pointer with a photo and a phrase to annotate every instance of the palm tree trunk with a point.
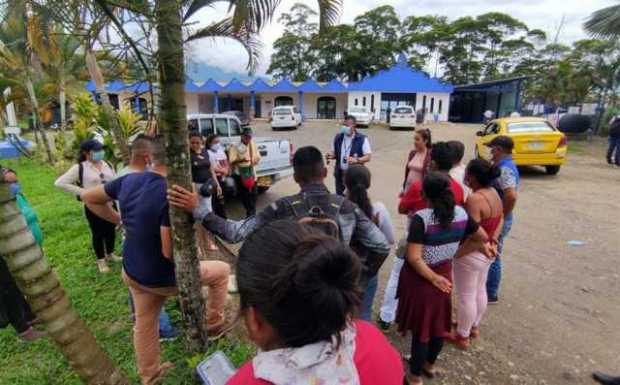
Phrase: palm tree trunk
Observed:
(36, 279)
(174, 125)
(37, 122)
(62, 99)
(108, 109)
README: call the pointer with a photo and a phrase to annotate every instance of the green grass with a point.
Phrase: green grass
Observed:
(101, 300)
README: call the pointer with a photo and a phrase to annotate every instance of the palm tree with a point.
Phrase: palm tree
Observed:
(246, 20)
(46, 296)
(605, 23)
(21, 41)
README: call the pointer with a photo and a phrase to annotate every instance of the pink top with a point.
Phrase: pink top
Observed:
(377, 362)
(416, 168)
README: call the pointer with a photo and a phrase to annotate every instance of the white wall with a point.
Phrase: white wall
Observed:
(360, 95)
(445, 104)
(191, 101)
(310, 104)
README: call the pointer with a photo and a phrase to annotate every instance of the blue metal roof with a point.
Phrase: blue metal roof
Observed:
(284, 85)
(190, 86)
(401, 78)
(310, 86)
(334, 86)
(235, 86)
(119, 86)
(260, 85)
(210, 86)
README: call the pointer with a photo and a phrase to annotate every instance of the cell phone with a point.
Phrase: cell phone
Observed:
(216, 369)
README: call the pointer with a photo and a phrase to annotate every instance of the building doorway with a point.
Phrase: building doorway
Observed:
(326, 107)
(389, 101)
(283, 101)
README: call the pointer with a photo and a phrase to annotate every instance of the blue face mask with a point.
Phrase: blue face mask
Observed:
(345, 130)
(16, 188)
(98, 155)
(216, 147)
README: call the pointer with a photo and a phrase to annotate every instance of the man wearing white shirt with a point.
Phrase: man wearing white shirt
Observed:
(350, 147)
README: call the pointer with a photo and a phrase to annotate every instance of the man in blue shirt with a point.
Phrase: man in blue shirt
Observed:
(350, 147)
(148, 268)
(507, 186)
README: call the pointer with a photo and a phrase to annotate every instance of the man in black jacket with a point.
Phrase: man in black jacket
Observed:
(310, 174)
(614, 141)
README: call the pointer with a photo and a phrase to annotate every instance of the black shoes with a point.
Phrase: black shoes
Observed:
(606, 379)
(385, 326)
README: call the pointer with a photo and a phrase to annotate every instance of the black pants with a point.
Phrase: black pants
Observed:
(13, 306)
(422, 353)
(339, 179)
(103, 234)
(248, 197)
(218, 206)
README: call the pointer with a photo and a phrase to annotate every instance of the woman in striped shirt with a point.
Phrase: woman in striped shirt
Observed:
(424, 307)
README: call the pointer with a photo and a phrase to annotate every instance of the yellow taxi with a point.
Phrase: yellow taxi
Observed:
(537, 142)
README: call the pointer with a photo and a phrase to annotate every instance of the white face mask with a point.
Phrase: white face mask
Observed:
(345, 130)
(215, 147)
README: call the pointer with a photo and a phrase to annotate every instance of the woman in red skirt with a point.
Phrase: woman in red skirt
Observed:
(424, 306)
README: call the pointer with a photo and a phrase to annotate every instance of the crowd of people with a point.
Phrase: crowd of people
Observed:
(307, 272)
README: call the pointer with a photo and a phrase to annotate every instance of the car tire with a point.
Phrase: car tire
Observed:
(552, 170)
(262, 189)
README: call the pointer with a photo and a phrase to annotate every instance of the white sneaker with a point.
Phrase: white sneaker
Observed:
(102, 265)
(113, 258)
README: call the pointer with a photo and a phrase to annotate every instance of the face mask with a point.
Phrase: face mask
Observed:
(98, 155)
(215, 147)
(16, 188)
(345, 130)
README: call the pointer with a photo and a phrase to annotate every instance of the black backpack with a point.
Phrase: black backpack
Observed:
(319, 212)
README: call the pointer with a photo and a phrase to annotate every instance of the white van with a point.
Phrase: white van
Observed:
(276, 154)
(403, 117)
(285, 117)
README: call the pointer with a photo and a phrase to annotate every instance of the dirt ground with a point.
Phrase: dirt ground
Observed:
(559, 308)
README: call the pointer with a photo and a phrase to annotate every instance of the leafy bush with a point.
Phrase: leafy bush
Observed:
(609, 113)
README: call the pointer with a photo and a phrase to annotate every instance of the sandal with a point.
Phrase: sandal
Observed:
(475, 332)
(429, 371)
(459, 341)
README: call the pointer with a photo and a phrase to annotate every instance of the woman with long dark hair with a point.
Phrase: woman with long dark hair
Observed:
(470, 270)
(92, 170)
(424, 304)
(357, 181)
(419, 159)
(298, 293)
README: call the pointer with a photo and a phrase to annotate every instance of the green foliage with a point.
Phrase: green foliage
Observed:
(101, 300)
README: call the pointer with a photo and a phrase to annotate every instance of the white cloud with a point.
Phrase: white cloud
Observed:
(541, 14)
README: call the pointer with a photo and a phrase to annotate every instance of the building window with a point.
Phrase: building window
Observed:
(432, 105)
(355, 101)
(424, 102)
(439, 107)
(372, 102)
(364, 101)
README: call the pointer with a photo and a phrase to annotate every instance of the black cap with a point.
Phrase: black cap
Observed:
(247, 130)
(503, 141)
(91, 145)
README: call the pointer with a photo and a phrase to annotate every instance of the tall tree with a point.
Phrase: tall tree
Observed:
(462, 56)
(422, 37)
(46, 296)
(293, 55)
(168, 18)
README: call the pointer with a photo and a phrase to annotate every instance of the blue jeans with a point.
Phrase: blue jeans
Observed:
(369, 297)
(495, 271)
(613, 151)
(165, 326)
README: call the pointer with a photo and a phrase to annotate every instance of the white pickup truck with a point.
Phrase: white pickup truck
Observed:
(276, 154)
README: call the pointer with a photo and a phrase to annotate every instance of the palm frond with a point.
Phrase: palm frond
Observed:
(252, 14)
(604, 23)
(194, 6)
(329, 13)
(226, 29)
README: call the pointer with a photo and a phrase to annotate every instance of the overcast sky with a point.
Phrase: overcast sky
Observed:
(542, 14)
